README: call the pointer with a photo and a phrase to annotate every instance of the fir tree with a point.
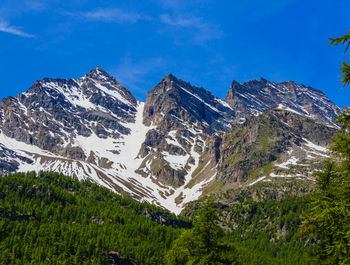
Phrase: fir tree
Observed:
(345, 68)
(329, 220)
(204, 243)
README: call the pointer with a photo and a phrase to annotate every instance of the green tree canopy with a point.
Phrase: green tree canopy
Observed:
(345, 68)
(204, 243)
(329, 220)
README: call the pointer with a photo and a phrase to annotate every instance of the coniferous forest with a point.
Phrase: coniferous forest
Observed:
(50, 218)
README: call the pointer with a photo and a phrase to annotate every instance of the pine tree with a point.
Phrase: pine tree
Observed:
(204, 243)
(345, 68)
(329, 220)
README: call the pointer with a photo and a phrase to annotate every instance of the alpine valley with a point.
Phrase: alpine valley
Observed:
(263, 140)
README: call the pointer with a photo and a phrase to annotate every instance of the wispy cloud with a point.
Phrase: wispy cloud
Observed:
(6, 27)
(112, 15)
(203, 31)
(35, 5)
(197, 29)
(178, 4)
(182, 22)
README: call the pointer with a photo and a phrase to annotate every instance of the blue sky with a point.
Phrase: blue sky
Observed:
(208, 43)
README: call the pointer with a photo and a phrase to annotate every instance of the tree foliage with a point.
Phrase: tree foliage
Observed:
(49, 218)
(204, 244)
(345, 68)
(328, 223)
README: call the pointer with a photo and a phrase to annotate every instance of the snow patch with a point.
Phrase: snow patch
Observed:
(224, 103)
(283, 107)
(201, 100)
(114, 93)
(291, 161)
(256, 181)
(315, 146)
(176, 162)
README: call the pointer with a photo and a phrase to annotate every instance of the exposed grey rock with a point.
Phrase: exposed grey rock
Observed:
(263, 139)
(254, 96)
(192, 139)
(186, 103)
(54, 111)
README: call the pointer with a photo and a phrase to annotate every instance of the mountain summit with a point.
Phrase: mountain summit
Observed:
(186, 102)
(254, 97)
(99, 74)
(181, 142)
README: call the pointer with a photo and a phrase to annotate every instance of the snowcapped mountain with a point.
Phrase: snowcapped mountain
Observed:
(169, 149)
(185, 102)
(254, 97)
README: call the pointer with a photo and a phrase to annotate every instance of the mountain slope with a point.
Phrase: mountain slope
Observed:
(52, 218)
(277, 147)
(187, 103)
(254, 96)
(89, 127)
(168, 150)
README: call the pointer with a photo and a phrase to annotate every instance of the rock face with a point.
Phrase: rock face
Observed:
(265, 145)
(255, 96)
(277, 151)
(54, 112)
(181, 142)
(186, 103)
(10, 160)
(184, 116)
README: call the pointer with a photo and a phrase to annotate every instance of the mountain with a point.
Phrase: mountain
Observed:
(254, 96)
(274, 148)
(89, 127)
(55, 111)
(187, 103)
(183, 116)
(181, 142)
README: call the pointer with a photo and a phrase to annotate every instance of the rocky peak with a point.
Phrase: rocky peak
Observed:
(97, 87)
(167, 83)
(184, 116)
(99, 74)
(54, 113)
(254, 97)
(231, 92)
(186, 102)
(256, 83)
(170, 77)
(250, 85)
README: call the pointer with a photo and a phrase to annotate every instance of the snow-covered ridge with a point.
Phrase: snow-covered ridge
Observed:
(93, 128)
(258, 96)
(75, 92)
(201, 100)
(120, 172)
(283, 107)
